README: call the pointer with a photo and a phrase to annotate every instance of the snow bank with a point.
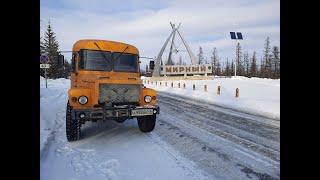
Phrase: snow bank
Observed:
(49, 110)
(257, 96)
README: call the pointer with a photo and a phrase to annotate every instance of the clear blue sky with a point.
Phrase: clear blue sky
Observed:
(145, 23)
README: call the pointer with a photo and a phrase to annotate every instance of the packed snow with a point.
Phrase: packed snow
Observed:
(256, 95)
(49, 108)
(108, 151)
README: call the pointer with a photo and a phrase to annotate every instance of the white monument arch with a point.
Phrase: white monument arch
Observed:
(170, 69)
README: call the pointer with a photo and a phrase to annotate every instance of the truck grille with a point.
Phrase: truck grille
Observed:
(119, 93)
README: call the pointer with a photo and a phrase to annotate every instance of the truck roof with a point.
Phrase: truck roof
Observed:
(105, 45)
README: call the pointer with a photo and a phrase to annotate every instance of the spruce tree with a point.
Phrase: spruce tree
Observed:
(232, 68)
(51, 47)
(225, 73)
(41, 42)
(218, 70)
(276, 61)
(266, 58)
(262, 73)
(253, 66)
(239, 65)
(222, 68)
(227, 70)
(42, 50)
(246, 63)
(200, 56)
(215, 60)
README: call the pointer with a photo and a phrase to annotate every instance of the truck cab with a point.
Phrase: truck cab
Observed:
(106, 85)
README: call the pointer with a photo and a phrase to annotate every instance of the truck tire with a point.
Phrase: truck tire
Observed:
(73, 125)
(121, 120)
(146, 123)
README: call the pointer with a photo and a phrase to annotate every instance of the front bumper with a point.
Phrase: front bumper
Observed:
(115, 112)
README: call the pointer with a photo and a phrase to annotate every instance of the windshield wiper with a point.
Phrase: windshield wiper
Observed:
(105, 57)
(121, 53)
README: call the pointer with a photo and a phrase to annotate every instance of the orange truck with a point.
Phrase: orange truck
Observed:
(106, 85)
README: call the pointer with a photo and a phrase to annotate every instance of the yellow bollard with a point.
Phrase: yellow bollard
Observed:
(237, 92)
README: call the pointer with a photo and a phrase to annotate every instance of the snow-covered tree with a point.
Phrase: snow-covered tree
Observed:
(262, 72)
(239, 65)
(267, 59)
(227, 71)
(51, 47)
(232, 68)
(200, 56)
(276, 61)
(253, 66)
(218, 69)
(215, 61)
(246, 63)
(42, 50)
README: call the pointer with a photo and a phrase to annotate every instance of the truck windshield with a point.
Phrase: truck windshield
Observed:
(125, 62)
(96, 60)
(107, 61)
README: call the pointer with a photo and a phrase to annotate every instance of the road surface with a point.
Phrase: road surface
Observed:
(191, 140)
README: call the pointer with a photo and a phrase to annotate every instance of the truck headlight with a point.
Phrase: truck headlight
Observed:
(147, 99)
(83, 100)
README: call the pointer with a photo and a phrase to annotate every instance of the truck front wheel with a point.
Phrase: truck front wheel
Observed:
(146, 123)
(73, 125)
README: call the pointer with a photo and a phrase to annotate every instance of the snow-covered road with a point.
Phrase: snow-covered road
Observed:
(225, 143)
(191, 140)
(113, 151)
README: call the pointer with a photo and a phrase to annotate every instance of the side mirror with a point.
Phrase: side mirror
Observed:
(60, 60)
(151, 65)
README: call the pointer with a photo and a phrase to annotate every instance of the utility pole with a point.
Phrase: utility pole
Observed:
(236, 36)
(235, 64)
